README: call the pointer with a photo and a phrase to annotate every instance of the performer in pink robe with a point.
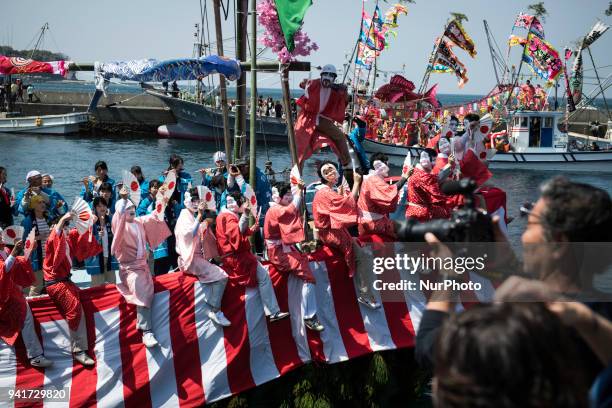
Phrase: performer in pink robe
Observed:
(322, 104)
(62, 245)
(378, 199)
(333, 213)
(425, 200)
(282, 230)
(15, 314)
(241, 265)
(195, 245)
(131, 235)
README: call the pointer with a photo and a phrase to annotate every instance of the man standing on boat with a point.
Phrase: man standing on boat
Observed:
(322, 104)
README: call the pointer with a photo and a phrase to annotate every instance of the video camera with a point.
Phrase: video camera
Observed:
(467, 223)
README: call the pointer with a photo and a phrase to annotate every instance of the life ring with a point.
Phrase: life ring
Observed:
(39, 122)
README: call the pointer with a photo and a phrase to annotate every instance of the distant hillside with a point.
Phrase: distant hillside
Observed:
(40, 55)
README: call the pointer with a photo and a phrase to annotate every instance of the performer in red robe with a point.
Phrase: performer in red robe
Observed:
(425, 200)
(322, 104)
(333, 213)
(62, 245)
(378, 199)
(241, 265)
(15, 314)
(282, 230)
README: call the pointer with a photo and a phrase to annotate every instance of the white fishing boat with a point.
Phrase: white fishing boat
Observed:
(45, 124)
(537, 143)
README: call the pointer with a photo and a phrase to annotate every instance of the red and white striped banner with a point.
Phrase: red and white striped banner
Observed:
(198, 362)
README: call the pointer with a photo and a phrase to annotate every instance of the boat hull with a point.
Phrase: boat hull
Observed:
(199, 122)
(559, 161)
(46, 124)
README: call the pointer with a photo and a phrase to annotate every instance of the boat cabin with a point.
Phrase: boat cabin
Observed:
(536, 131)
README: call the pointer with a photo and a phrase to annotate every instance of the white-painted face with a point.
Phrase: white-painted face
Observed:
(327, 79)
(130, 214)
(330, 173)
(452, 125)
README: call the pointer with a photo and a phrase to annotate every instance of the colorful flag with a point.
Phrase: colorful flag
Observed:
(17, 65)
(393, 13)
(291, 17)
(456, 33)
(530, 22)
(515, 40)
(365, 56)
(542, 58)
(447, 58)
(577, 70)
(372, 30)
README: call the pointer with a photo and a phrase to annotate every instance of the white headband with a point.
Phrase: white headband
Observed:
(327, 166)
(275, 195)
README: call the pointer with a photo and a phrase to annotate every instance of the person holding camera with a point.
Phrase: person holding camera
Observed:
(196, 248)
(15, 314)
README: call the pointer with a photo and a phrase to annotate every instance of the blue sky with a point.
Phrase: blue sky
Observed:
(114, 30)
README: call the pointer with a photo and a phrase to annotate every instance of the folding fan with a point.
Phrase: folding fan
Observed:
(133, 186)
(12, 234)
(249, 194)
(207, 196)
(170, 183)
(83, 219)
(486, 124)
(407, 164)
(295, 178)
(28, 245)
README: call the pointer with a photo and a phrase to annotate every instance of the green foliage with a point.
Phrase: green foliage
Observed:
(538, 10)
(608, 11)
(460, 17)
(40, 55)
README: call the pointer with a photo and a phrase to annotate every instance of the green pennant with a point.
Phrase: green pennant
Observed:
(291, 16)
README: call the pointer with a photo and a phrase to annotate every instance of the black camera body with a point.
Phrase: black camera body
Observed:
(466, 224)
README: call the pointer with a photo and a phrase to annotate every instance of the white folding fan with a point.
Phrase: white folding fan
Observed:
(83, 216)
(133, 186)
(249, 194)
(28, 245)
(12, 234)
(207, 196)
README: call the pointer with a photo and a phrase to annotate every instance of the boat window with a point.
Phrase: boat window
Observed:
(548, 122)
(524, 122)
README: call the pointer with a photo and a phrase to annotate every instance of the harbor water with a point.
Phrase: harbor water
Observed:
(70, 158)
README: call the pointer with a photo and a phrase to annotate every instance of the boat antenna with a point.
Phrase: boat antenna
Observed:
(39, 41)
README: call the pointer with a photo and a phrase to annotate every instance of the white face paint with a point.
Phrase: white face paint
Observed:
(327, 80)
(425, 161)
(381, 168)
(330, 174)
(453, 125)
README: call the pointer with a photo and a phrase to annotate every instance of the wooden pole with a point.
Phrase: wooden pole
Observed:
(227, 138)
(252, 130)
(241, 33)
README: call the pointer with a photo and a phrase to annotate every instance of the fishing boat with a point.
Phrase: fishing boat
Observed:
(46, 124)
(537, 141)
(200, 122)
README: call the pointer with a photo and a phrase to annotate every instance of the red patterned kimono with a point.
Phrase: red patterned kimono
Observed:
(59, 251)
(377, 199)
(332, 214)
(12, 301)
(238, 261)
(474, 168)
(425, 200)
(282, 229)
(307, 138)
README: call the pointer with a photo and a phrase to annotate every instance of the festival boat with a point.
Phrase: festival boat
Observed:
(46, 124)
(537, 144)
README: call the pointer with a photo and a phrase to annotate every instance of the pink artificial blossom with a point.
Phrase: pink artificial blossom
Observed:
(273, 36)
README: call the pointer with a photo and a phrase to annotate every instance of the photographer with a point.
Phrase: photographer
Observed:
(566, 212)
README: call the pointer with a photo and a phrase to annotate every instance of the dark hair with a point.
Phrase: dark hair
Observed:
(136, 169)
(154, 183)
(174, 161)
(323, 163)
(453, 117)
(283, 188)
(378, 156)
(236, 195)
(472, 117)
(101, 165)
(579, 211)
(507, 355)
(2, 169)
(193, 191)
(218, 181)
(106, 186)
(431, 152)
(99, 200)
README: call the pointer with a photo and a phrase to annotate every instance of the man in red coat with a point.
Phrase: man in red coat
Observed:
(282, 230)
(15, 314)
(322, 104)
(62, 245)
(425, 199)
(241, 265)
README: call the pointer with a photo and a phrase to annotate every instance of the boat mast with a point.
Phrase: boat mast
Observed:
(44, 28)
(492, 51)
(241, 34)
(518, 74)
(222, 85)
(432, 60)
(599, 82)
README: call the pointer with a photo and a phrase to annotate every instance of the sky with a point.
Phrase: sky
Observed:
(132, 29)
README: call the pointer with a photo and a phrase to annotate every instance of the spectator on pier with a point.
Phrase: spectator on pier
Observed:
(165, 86)
(175, 90)
(30, 91)
(6, 201)
(278, 110)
